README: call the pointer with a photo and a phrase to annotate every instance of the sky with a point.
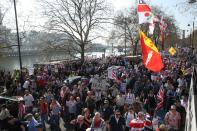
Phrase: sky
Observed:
(174, 8)
(29, 12)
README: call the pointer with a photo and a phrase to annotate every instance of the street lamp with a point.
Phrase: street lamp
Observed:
(18, 42)
(192, 35)
(112, 48)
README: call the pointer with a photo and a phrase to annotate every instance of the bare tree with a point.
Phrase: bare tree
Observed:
(126, 26)
(172, 30)
(77, 19)
(125, 29)
(4, 32)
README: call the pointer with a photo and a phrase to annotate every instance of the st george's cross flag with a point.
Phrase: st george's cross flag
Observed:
(144, 12)
(150, 54)
(114, 76)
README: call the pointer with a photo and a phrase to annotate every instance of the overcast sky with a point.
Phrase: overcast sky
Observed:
(29, 11)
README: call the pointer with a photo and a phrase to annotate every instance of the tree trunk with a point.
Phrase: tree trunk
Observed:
(135, 48)
(82, 53)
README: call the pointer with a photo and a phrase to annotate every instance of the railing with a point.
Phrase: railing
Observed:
(191, 117)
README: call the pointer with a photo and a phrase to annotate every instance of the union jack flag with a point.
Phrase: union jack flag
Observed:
(114, 76)
(160, 99)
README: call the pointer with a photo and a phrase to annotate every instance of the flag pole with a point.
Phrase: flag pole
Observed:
(18, 44)
(162, 41)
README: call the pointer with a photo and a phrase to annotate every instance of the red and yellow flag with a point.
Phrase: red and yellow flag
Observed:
(151, 57)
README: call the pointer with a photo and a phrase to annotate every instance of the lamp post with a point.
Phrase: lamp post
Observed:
(112, 48)
(192, 35)
(125, 38)
(18, 42)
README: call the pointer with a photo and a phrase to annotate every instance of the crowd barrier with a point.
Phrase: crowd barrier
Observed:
(191, 117)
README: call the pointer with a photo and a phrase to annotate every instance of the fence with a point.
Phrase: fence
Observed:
(191, 117)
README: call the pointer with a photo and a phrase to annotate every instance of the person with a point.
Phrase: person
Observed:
(71, 104)
(98, 123)
(55, 115)
(79, 106)
(184, 101)
(4, 115)
(107, 110)
(129, 116)
(87, 120)
(44, 111)
(181, 82)
(14, 124)
(138, 123)
(79, 124)
(26, 84)
(171, 96)
(21, 110)
(90, 102)
(28, 98)
(151, 101)
(117, 122)
(182, 112)
(162, 127)
(32, 123)
(172, 119)
(98, 98)
(49, 97)
(114, 90)
(130, 97)
(137, 105)
(120, 101)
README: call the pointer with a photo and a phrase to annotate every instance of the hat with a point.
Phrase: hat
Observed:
(28, 115)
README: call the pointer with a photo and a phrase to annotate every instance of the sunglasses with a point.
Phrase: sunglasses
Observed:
(118, 114)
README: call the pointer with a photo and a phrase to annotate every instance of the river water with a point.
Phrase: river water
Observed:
(12, 62)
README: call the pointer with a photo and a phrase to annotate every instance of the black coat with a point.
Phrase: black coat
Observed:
(83, 127)
(117, 126)
(107, 112)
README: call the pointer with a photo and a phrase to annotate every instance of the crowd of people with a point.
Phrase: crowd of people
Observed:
(128, 102)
